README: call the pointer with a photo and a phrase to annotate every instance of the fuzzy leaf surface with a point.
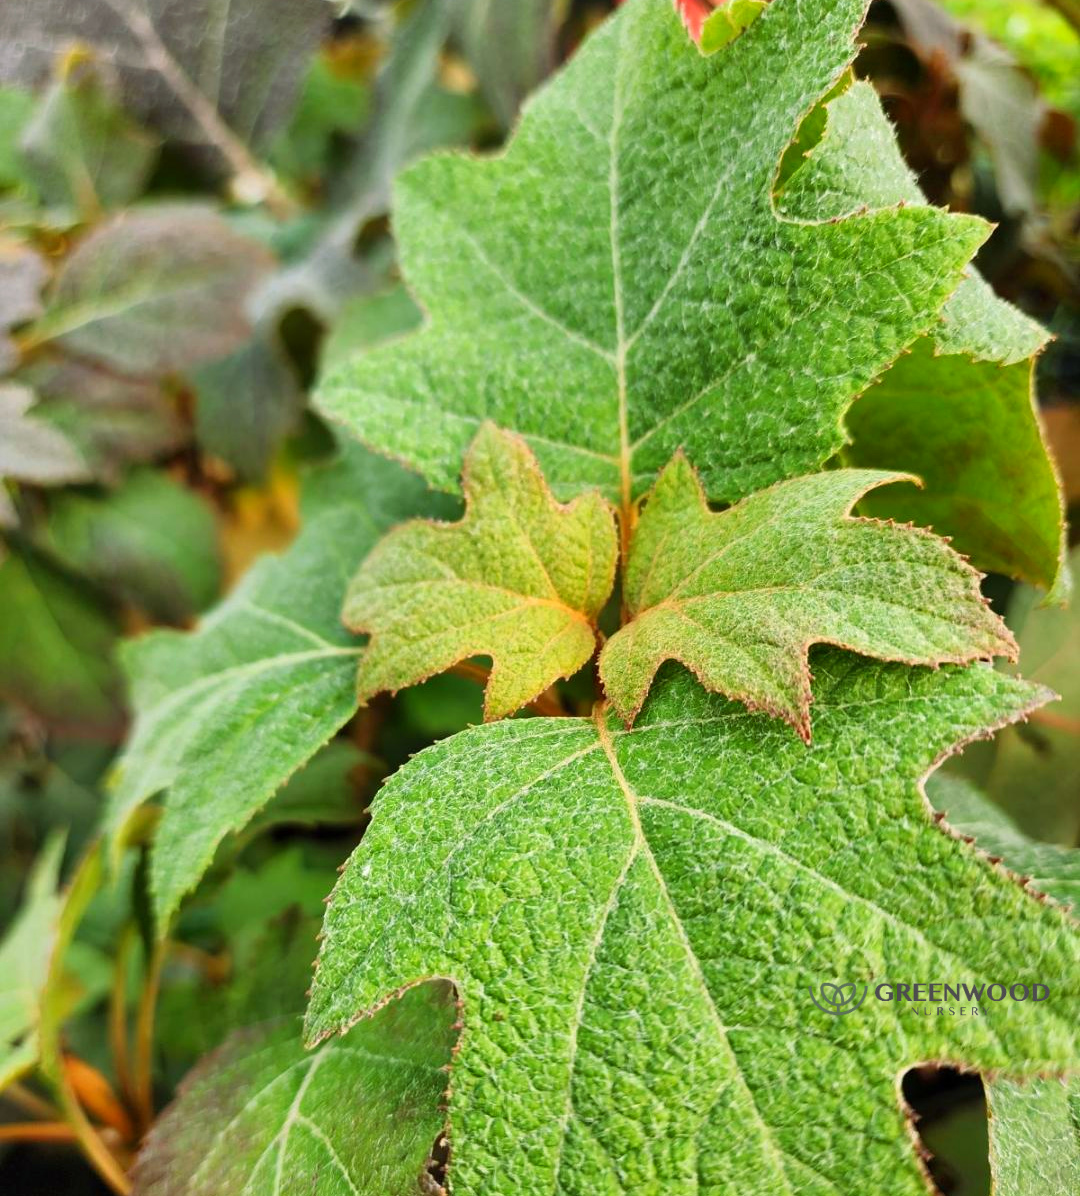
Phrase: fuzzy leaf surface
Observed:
(226, 714)
(632, 920)
(1034, 1137)
(355, 1118)
(738, 597)
(520, 579)
(959, 410)
(619, 282)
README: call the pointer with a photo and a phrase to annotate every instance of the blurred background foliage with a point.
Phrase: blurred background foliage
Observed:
(194, 220)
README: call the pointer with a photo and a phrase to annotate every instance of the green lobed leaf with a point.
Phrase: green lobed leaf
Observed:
(738, 597)
(81, 150)
(520, 579)
(1034, 1137)
(261, 1114)
(226, 714)
(150, 542)
(632, 920)
(155, 290)
(619, 282)
(959, 410)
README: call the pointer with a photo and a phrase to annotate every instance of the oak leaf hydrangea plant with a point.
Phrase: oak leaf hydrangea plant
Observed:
(691, 346)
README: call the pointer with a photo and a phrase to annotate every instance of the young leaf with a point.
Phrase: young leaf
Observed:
(632, 920)
(619, 283)
(739, 597)
(225, 715)
(959, 410)
(1034, 1137)
(156, 290)
(261, 1114)
(520, 579)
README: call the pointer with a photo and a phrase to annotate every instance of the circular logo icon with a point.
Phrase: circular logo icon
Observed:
(838, 999)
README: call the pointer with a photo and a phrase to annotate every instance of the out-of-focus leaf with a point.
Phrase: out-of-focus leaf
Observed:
(957, 410)
(410, 115)
(1033, 772)
(24, 964)
(1041, 38)
(323, 793)
(16, 108)
(369, 320)
(245, 59)
(113, 419)
(330, 103)
(1002, 105)
(151, 542)
(156, 290)
(510, 46)
(57, 647)
(1049, 868)
(997, 99)
(32, 450)
(22, 275)
(357, 1116)
(1034, 1137)
(248, 401)
(82, 151)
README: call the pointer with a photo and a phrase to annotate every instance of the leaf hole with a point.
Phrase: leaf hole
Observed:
(947, 1108)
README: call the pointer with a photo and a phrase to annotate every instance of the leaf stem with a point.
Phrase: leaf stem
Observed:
(1059, 722)
(37, 1131)
(30, 1102)
(142, 1080)
(99, 1155)
(118, 1028)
